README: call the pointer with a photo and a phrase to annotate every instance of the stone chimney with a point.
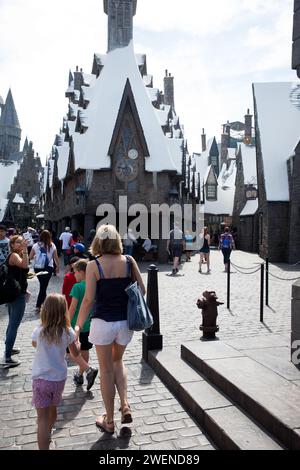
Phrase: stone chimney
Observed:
(203, 138)
(78, 79)
(225, 142)
(120, 22)
(169, 89)
(248, 128)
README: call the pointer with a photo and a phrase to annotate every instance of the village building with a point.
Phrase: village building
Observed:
(226, 169)
(19, 171)
(278, 171)
(120, 137)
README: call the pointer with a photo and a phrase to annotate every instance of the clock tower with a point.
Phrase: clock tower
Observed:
(120, 22)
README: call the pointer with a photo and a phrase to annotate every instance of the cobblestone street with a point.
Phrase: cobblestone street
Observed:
(159, 420)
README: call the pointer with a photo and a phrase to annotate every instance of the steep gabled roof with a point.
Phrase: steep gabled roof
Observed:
(101, 116)
(278, 122)
(9, 115)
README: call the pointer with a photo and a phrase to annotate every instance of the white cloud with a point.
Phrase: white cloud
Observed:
(214, 49)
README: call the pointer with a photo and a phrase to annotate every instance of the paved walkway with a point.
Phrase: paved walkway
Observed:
(159, 420)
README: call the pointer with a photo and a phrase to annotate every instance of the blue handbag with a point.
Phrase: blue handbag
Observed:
(139, 317)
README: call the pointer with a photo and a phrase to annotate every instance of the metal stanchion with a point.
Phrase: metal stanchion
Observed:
(152, 339)
(267, 282)
(262, 288)
(228, 285)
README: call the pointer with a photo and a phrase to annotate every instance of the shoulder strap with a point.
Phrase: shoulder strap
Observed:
(100, 270)
(129, 271)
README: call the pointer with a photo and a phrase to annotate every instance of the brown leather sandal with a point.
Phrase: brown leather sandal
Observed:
(126, 414)
(104, 425)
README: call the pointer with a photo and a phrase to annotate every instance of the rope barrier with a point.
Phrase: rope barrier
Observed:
(240, 267)
(241, 272)
(283, 278)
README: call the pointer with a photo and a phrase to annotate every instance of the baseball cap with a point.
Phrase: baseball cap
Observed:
(80, 247)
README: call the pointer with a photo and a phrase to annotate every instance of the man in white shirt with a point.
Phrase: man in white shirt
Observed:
(65, 239)
(28, 237)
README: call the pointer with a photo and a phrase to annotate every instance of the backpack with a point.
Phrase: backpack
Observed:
(41, 261)
(10, 288)
(226, 241)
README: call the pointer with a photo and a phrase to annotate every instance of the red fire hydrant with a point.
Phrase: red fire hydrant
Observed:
(209, 305)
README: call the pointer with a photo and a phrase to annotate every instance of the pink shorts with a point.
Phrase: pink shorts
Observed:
(46, 394)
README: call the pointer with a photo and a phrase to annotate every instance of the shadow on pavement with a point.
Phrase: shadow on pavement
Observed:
(107, 442)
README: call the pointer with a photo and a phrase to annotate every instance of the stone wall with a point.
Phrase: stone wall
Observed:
(295, 335)
(296, 38)
(294, 239)
(278, 227)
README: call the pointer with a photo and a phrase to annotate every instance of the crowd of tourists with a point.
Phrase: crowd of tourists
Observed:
(90, 311)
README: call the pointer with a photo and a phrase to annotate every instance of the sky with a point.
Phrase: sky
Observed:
(215, 50)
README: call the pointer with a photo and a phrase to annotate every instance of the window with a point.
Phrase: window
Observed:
(211, 192)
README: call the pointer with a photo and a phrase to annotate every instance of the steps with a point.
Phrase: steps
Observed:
(227, 425)
(265, 395)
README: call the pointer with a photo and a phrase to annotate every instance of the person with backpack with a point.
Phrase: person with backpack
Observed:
(17, 269)
(226, 244)
(44, 254)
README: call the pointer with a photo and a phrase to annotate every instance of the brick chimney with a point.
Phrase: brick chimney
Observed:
(169, 89)
(203, 139)
(248, 128)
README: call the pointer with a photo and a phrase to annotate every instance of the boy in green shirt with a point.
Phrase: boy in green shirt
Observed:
(77, 294)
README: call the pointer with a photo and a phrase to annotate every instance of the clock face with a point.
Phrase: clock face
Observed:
(133, 154)
(126, 170)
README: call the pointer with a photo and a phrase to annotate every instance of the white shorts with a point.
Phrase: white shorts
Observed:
(103, 333)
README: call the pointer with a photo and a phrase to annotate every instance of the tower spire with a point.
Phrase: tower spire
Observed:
(9, 115)
(120, 22)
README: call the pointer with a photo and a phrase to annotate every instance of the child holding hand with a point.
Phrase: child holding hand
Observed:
(49, 371)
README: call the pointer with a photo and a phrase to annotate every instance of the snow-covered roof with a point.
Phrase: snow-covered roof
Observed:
(62, 161)
(153, 93)
(248, 153)
(231, 153)
(163, 114)
(18, 199)
(176, 149)
(71, 127)
(34, 200)
(250, 208)
(8, 171)
(102, 113)
(278, 122)
(88, 79)
(148, 79)
(51, 172)
(226, 192)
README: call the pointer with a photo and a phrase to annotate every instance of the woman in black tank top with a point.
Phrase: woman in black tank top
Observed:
(18, 264)
(106, 281)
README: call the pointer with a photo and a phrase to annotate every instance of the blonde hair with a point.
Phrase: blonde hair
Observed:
(13, 240)
(54, 318)
(80, 265)
(107, 242)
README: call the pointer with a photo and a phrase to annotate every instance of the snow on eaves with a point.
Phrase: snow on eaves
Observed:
(226, 192)
(248, 153)
(278, 124)
(153, 93)
(176, 150)
(18, 199)
(103, 111)
(250, 208)
(62, 160)
(8, 171)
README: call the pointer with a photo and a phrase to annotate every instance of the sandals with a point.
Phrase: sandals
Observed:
(105, 426)
(126, 416)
